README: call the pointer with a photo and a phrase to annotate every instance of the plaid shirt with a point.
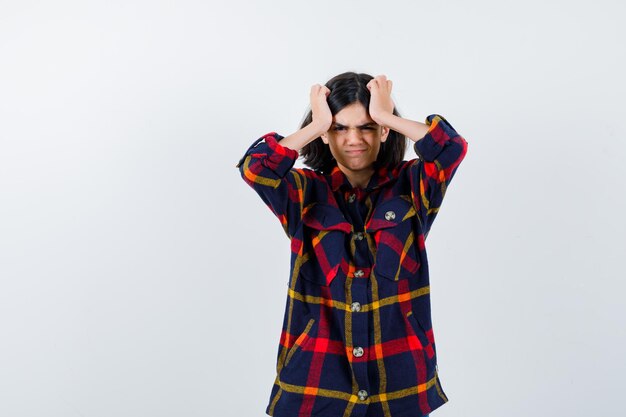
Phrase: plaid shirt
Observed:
(357, 337)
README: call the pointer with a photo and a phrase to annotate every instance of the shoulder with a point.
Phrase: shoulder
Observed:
(400, 171)
(310, 174)
(307, 172)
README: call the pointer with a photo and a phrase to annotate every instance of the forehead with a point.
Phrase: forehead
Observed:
(353, 114)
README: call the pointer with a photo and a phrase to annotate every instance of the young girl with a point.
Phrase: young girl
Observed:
(357, 335)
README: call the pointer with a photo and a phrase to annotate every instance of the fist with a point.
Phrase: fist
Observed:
(322, 115)
(381, 104)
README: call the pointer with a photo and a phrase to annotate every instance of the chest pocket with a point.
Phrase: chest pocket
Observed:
(392, 226)
(322, 247)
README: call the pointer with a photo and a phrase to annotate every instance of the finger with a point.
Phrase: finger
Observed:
(320, 91)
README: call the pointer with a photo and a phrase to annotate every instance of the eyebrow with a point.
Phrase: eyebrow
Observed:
(364, 125)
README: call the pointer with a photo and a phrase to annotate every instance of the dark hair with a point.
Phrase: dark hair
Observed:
(346, 89)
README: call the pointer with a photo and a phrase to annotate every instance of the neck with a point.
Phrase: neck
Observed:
(360, 178)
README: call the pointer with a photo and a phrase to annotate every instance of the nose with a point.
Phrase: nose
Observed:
(353, 134)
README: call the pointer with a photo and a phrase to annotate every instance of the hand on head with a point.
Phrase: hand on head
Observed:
(381, 104)
(322, 115)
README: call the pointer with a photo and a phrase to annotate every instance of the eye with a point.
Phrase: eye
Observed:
(339, 128)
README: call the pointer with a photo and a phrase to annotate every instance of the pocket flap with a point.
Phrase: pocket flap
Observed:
(390, 214)
(323, 216)
(313, 272)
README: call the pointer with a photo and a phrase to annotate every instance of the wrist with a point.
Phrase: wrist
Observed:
(385, 119)
(318, 128)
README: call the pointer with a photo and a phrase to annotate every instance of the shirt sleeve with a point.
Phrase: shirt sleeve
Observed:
(440, 152)
(267, 168)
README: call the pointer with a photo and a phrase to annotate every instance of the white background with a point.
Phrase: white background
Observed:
(140, 276)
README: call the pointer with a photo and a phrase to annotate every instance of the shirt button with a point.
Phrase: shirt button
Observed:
(357, 351)
(351, 198)
(355, 307)
(390, 215)
(362, 395)
(358, 236)
(358, 273)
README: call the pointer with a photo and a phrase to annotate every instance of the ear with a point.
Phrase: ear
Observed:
(384, 134)
(324, 137)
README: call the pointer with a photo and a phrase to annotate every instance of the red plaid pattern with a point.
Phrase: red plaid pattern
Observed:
(357, 336)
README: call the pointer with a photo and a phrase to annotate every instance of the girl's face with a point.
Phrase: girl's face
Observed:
(354, 139)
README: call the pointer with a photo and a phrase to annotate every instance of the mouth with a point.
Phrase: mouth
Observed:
(356, 151)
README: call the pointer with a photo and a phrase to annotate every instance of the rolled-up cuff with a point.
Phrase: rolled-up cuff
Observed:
(440, 132)
(273, 155)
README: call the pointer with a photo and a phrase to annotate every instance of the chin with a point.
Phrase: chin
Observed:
(356, 167)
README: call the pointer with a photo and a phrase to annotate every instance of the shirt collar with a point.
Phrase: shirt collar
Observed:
(381, 176)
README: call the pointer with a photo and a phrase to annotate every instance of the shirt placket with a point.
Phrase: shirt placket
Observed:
(358, 288)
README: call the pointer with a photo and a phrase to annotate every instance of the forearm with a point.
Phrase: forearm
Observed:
(410, 128)
(299, 139)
